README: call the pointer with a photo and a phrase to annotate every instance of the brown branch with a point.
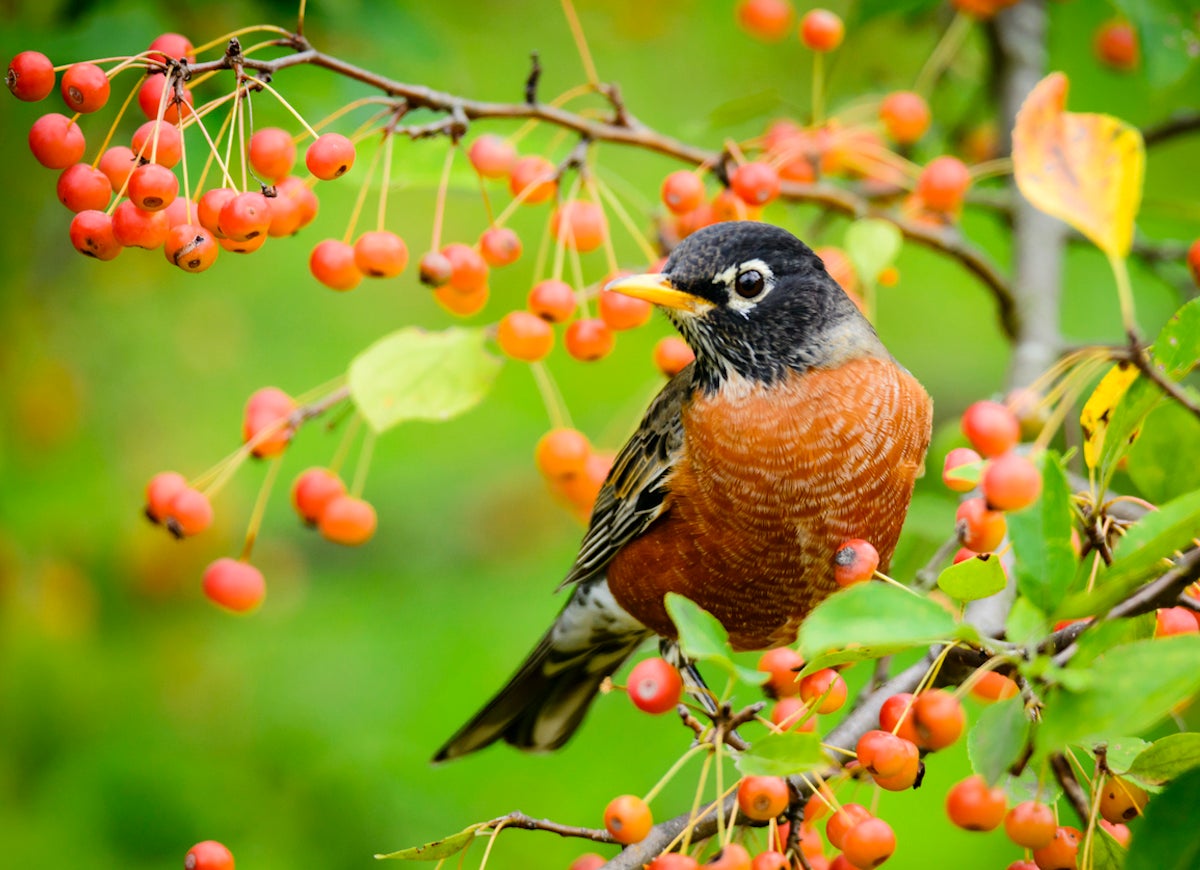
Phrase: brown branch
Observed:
(1144, 365)
(1071, 787)
(527, 823)
(624, 129)
(1177, 125)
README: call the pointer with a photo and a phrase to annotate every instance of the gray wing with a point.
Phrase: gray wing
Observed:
(635, 493)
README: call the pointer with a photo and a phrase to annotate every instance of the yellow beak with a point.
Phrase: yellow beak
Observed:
(657, 289)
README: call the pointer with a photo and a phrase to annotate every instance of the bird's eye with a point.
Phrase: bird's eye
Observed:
(750, 283)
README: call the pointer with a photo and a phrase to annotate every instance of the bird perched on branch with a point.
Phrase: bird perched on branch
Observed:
(793, 431)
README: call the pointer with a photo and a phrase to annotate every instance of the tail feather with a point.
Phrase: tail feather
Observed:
(546, 699)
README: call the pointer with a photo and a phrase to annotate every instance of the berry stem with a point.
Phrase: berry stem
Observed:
(674, 769)
(234, 34)
(388, 142)
(283, 102)
(585, 55)
(343, 449)
(939, 59)
(610, 252)
(556, 408)
(112, 129)
(991, 169)
(187, 189)
(703, 780)
(260, 507)
(818, 88)
(214, 153)
(630, 225)
(364, 464)
(439, 209)
(487, 851)
(1120, 270)
(361, 199)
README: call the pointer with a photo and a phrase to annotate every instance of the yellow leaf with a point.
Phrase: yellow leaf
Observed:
(1097, 412)
(1084, 169)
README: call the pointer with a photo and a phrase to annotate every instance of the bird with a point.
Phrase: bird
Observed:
(792, 431)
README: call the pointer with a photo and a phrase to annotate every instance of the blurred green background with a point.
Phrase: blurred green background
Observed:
(135, 718)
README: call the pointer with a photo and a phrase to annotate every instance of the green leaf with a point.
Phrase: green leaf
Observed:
(1177, 348)
(1029, 786)
(1162, 27)
(1098, 639)
(1041, 538)
(1026, 622)
(970, 472)
(872, 245)
(1131, 688)
(703, 639)
(438, 849)
(1120, 752)
(1107, 853)
(1167, 758)
(782, 754)
(413, 374)
(874, 619)
(1166, 838)
(973, 578)
(998, 738)
(1164, 463)
(1125, 423)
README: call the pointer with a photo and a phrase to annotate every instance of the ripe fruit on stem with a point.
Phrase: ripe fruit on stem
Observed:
(971, 805)
(312, 492)
(234, 585)
(654, 686)
(991, 427)
(331, 155)
(821, 30)
(855, 562)
(1011, 482)
(524, 336)
(628, 819)
(782, 664)
(552, 300)
(762, 797)
(30, 76)
(208, 855)
(347, 520)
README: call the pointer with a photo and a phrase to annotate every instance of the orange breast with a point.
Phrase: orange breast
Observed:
(771, 481)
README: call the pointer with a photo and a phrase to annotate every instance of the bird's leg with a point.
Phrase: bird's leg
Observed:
(722, 716)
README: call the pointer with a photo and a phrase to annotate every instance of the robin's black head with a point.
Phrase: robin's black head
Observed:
(754, 301)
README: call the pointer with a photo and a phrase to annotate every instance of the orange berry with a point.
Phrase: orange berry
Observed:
(332, 262)
(158, 142)
(768, 20)
(174, 46)
(208, 855)
(552, 300)
(312, 492)
(492, 156)
(56, 141)
(1116, 45)
(500, 246)
(234, 585)
(628, 819)
(762, 797)
(826, 688)
(329, 156)
(153, 94)
(135, 228)
(791, 714)
(468, 269)
(435, 269)
(30, 76)
(82, 188)
(92, 235)
(842, 821)
(189, 513)
(347, 520)
(588, 861)
(589, 339)
(1011, 482)
(939, 719)
(772, 859)
(905, 116)
(782, 664)
(869, 843)
(992, 428)
(682, 191)
(991, 687)
(855, 562)
(896, 716)
(161, 491)
(1121, 800)
(1061, 852)
(380, 254)
(524, 336)
(973, 806)
(1193, 261)
(268, 408)
(272, 154)
(1174, 620)
(957, 458)
(190, 247)
(621, 312)
(979, 528)
(580, 225)
(1030, 824)
(117, 163)
(733, 856)
(672, 355)
(152, 187)
(821, 30)
(463, 303)
(295, 206)
(882, 753)
(756, 182)
(533, 178)
(561, 453)
(243, 217)
(943, 183)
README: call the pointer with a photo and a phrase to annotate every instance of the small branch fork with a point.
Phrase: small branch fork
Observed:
(621, 128)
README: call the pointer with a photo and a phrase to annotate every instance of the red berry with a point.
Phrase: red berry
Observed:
(161, 491)
(380, 254)
(683, 190)
(152, 187)
(762, 797)
(733, 856)
(1193, 261)
(435, 269)
(173, 46)
(524, 336)
(135, 228)
(268, 408)
(673, 861)
(1011, 482)
(621, 312)
(869, 843)
(771, 860)
(654, 686)
(533, 178)
(768, 20)
(234, 585)
(208, 209)
(672, 355)
(588, 861)
(589, 339)
(243, 246)
(1121, 800)
(896, 716)
(151, 97)
(991, 687)
(244, 217)
(1174, 620)
(580, 225)
(842, 821)
(313, 490)
(628, 819)
(825, 686)
(957, 458)
(1061, 852)
(84, 87)
(272, 154)
(1116, 45)
(562, 453)
(938, 718)
(208, 855)
(821, 30)
(191, 247)
(882, 753)
(492, 156)
(756, 183)
(56, 141)
(117, 163)
(468, 269)
(347, 520)
(189, 513)
(92, 235)
(855, 562)
(980, 529)
(30, 76)
(791, 714)
(80, 187)
(332, 263)
(905, 116)
(330, 156)
(1030, 824)
(1118, 832)
(158, 142)
(500, 246)
(973, 806)
(553, 301)
(943, 183)
(294, 207)
(783, 664)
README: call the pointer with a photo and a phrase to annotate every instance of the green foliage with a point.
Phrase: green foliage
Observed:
(703, 639)
(1166, 759)
(998, 738)
(783, 754)
(973, 578)
(438, 849)
(1041, 538)
(1167, 838)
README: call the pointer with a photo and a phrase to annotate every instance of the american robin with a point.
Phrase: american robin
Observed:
(793, 431)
